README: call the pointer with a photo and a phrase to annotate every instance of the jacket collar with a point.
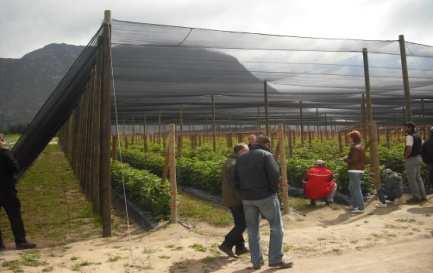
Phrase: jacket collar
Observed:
(259, 146)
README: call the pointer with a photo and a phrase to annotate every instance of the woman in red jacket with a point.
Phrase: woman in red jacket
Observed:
(319, 183)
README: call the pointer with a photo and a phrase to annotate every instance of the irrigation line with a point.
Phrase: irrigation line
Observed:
(119, 146)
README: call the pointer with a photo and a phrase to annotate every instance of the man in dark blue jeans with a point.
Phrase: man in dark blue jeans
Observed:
(8, 197)
(257, 180)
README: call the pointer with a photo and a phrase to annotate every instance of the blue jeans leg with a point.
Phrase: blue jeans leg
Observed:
(355, 190)
(252, 218)
(271, 211)
(269, 208)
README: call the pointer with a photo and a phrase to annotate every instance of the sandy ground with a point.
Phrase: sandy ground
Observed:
(398, 239)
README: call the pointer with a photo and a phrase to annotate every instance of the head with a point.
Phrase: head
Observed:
(252, 139)
(240, 149)
(410, 127)
(355, 136)
(319, 163)
(264, 141)
(2, 141)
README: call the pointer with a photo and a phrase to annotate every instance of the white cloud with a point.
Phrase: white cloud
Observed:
(27, 25)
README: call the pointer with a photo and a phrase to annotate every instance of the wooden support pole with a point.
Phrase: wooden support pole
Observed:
(283, 171)
(145, 144)
(105, 168)
(159, 128)
(180, 135)
(290, 142)
(301, 122)
(364, 118)
(266, 108)
(213, 124)
(405, 75)
(388, 145)
(374, 152)
(340, 143)
(172, 172)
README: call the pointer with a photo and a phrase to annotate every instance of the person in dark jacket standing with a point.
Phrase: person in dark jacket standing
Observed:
(8, 197)
(257, 179)
(427, 157)
(232, 201)
(413, 161)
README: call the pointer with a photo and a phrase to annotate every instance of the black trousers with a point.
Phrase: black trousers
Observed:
(429, 184)
(235, 236)
(10, 202)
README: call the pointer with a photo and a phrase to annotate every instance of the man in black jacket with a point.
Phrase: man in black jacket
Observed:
(257, 179)
(8, 196)
(427, 157)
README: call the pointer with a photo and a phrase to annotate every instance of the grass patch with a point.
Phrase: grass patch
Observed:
(28, 258)
(54, 209)
(202, 211)
(198, 247)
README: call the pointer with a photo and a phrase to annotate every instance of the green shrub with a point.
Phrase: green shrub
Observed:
(143, 188)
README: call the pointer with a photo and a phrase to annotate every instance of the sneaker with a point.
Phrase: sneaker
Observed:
(227, 250)
(381, 205)
(282, 264)
(241, 250)
(357, 211)
(413, 200)
(258, 266)
(25, 245)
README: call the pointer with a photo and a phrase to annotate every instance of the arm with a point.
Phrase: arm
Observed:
(272, 172)
(408, 147)
(11, 163)
(236, 178)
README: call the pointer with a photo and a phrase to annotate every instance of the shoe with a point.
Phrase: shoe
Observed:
(2, 247)
(357, 211)
(227, 250)
(25, 245)
(381, 205)
(312, 203)
(282, 264)
(258, 266)
(413, 200)
(241, 250)
(396, 202)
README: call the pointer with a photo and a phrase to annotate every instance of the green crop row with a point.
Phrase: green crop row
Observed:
(143, 188)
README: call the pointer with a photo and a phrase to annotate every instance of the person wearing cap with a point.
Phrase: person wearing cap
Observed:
(319, 183)
(391, 189)
(427, 157)
(233, 202)
(355, 165)
(9, 169)
(413, 161)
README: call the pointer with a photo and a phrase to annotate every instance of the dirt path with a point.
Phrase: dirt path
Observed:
(324, 240)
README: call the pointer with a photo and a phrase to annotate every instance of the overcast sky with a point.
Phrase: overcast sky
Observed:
(26, 25)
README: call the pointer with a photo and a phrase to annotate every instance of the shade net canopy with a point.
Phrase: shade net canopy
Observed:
(163, 70)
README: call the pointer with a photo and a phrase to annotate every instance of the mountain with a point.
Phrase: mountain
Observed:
(27, 82)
